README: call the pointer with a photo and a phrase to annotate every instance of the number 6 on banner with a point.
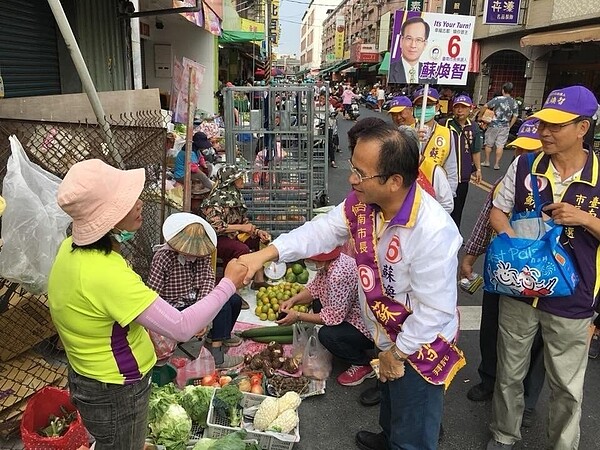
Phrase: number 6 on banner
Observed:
(366, 277)
(453, 46)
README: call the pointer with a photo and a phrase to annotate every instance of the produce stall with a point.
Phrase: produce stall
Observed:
(254, 405)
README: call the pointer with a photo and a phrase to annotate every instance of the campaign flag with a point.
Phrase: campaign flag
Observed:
(430, 48)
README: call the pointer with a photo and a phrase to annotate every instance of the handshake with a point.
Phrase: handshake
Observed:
(241, 270)
(236, 271)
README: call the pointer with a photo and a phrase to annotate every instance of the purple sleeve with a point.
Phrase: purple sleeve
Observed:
(182, 325)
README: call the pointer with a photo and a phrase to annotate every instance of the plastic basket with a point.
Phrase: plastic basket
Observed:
(217, 427)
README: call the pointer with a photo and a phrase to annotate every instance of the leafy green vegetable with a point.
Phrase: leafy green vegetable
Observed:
(160, 400)
(173, 429)
(169, 423)
(204, 444)
(227, 404)
(233, 441)
(196, 402)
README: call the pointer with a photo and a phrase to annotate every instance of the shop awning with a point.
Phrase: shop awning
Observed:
(229, 37)
(384, 67)
(572, 35)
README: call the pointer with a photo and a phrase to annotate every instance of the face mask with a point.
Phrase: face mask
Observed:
(123, 236)
(185, 258)
(311, 265)
(429, 113)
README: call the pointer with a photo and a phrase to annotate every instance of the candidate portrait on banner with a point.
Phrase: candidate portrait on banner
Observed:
(430, 48)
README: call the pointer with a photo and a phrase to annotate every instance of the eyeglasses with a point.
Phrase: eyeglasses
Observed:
(555, 127)
(416, 40)
(359, 175)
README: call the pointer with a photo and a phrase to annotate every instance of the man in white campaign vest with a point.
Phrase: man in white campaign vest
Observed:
(406, 249)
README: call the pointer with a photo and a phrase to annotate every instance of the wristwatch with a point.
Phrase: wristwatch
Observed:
(397, 355)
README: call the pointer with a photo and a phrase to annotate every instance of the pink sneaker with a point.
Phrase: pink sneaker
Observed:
(355, 375)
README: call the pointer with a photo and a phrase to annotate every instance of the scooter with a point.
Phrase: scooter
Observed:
(354, 112)
(371, 102)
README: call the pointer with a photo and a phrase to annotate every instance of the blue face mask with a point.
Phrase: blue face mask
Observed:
(429, 113)
(123, 236)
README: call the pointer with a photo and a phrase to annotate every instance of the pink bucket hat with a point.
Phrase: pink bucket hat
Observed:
(97, 197)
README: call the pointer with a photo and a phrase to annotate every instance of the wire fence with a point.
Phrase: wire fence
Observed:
(30, 357)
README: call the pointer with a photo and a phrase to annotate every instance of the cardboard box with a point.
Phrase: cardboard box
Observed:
(24, 324)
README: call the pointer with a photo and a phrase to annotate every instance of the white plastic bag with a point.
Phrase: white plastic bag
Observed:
(33, 225)
(316, 361)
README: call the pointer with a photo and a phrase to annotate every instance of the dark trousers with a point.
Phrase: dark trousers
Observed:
(346, 342)
(331, 146)
(459, 202)
(229, 248)
(488, 339)
(223, 323)
(410, 413)
(115, 414)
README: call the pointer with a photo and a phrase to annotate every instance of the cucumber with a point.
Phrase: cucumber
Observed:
(288, 339)
(268, 331)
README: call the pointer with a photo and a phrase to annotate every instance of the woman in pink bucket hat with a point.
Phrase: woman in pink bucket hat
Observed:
(101, 308)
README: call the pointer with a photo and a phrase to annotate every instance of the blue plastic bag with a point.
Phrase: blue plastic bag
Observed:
(534, 266)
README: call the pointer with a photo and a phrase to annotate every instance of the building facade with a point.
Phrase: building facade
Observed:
(311, 33)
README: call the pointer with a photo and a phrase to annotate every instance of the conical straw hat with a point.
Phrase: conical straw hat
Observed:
(189, 234)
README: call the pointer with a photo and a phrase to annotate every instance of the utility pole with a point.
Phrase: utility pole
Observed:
(268, 44)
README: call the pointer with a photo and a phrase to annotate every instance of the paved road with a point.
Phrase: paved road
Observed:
(330, 421)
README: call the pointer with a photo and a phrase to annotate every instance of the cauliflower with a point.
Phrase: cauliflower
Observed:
(290, 400)
(267, 412)
(285, 422)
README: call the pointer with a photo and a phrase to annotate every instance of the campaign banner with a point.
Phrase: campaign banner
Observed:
(180, 85)
(430, 48)
(340, 28)
(212, 23)
(501, 12)
(196, 18)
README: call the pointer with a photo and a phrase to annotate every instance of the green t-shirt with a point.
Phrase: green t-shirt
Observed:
(94, 299)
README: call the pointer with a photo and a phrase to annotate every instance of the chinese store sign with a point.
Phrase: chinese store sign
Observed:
(501, 12)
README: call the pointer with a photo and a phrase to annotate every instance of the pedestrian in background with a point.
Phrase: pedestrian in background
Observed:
(467, 144)
(506, 111)
(437, 145)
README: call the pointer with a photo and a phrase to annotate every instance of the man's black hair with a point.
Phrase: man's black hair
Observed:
(415, 20)
(507, 87)
(399, 151)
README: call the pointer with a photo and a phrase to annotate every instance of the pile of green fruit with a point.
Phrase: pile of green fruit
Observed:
(296, 273)
(269, 299)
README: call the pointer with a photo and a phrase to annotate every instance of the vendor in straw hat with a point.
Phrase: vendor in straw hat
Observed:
(182, 274)
(225, 210)
(101, 308)
(334, 296)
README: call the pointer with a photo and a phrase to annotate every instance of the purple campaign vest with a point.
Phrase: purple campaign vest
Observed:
(437, 362)
(463, 142)
(580, 244)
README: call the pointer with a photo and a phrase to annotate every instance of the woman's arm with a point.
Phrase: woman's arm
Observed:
(183, 325)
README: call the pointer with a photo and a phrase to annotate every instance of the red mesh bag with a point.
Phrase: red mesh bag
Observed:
(40, 406)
